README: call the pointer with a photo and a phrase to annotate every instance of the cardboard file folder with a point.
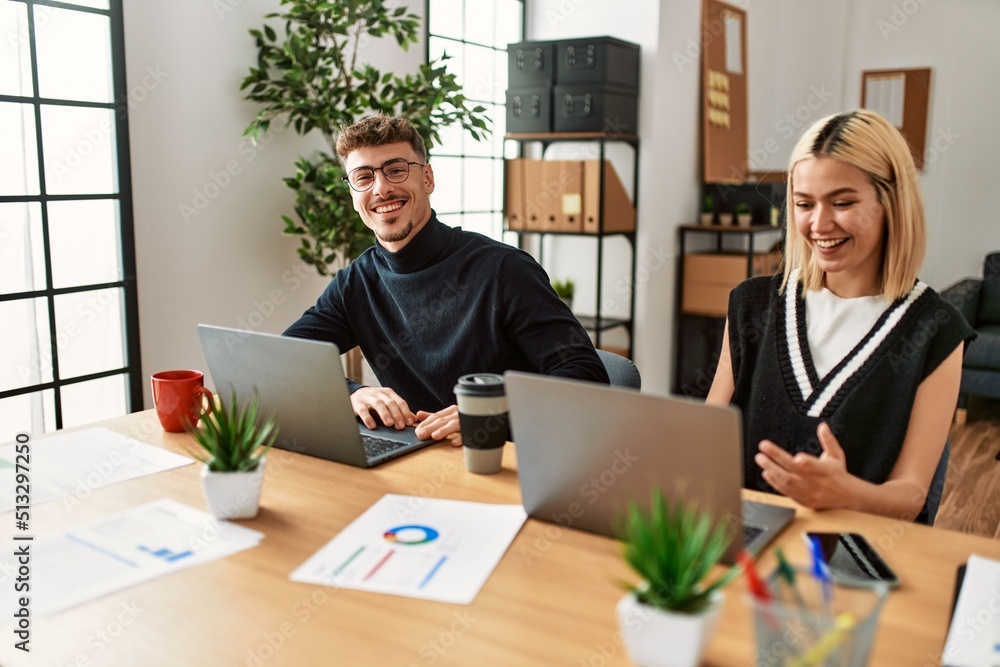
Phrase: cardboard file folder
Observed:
(562, 192)
(614, 211)
(533, 212)
(514, 203)
(548, 193)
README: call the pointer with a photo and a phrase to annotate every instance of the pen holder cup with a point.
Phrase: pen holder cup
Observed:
(800, 627)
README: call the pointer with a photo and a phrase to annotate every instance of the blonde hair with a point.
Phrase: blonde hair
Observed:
(867, 141)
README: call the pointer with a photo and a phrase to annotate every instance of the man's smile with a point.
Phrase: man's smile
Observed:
(389, 207)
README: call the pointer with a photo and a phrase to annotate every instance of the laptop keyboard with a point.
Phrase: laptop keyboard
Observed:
(751, 532)
(375, 447)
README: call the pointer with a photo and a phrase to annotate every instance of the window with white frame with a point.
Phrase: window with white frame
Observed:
(475, 34)
(68, 314)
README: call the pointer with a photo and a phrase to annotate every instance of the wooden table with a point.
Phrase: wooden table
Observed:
(549, 602)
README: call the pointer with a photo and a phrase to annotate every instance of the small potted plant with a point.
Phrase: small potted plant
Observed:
(743, 216)
(708, 210)
(564, 290)
(668, 618)
(234, 441)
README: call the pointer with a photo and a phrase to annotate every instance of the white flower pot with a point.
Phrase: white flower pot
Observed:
(744, 219)
(707, 218)
(233, 495)
(657, 638)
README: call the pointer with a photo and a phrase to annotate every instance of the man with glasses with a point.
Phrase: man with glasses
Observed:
(429, 303)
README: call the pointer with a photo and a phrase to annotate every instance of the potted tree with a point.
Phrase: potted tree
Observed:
(308, 76)
(707, 210)
(564, 290)
(743, 216)
(669, 616)
(234, 441)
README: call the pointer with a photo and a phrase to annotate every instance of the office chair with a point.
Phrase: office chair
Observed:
(621, 371)
(936, 490)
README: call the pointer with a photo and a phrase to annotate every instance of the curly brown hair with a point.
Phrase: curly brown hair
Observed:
(379, 131)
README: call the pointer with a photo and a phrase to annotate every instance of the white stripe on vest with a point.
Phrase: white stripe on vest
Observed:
(862, 354)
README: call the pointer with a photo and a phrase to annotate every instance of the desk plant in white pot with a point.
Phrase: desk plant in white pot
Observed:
(234, 439)
(669, 616)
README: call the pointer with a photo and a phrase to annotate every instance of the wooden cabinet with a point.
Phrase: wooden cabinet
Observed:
(704, 282)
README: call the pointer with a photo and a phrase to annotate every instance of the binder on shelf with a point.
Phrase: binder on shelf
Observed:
(533, 200)
(569, 217)
(514, 194)
(614, 209)
(550, 191)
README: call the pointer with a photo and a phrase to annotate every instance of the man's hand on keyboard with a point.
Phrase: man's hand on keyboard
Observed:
(391, 409)
(441, 425)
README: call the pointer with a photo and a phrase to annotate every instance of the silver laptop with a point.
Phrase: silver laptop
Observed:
(584, 450)
(302, 382)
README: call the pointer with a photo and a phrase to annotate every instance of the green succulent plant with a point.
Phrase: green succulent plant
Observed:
(708, 204)
(564, 288)
(234, 437)
(742, 207)
(674, 547)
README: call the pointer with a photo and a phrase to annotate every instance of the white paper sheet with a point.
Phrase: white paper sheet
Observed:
(77, 463)
(884, 94)
(734, 43)
(119, 550)
(417, 547)
(974, 635)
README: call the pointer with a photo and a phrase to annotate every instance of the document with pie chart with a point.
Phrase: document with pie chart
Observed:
(417, 547)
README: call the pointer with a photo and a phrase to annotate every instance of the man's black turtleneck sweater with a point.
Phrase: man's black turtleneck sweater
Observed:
(449, 303)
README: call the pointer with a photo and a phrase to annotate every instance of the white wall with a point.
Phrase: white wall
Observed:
(207, 203)
(796, 76)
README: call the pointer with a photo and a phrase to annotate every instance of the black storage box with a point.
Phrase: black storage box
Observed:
(590, 107)
(529, 109)
(531, 64)
(598, 60)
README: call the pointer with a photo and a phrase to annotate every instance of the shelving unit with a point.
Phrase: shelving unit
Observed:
(700, 317)
(598, 323)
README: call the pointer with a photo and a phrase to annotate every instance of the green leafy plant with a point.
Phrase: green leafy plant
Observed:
(674, 547)
(708, 204)
(234, 437)
(309, 76)
(564, 288)
(742, 208)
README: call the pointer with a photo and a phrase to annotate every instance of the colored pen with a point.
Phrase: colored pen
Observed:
(827, 644)
(820, 569)
(787, 572)
(758, 588)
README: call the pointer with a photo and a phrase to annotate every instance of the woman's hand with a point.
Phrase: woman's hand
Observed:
(816, 482)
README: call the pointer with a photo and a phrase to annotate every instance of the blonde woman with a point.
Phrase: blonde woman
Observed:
(846, 367)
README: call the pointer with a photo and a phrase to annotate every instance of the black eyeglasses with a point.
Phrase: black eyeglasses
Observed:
(395, 171)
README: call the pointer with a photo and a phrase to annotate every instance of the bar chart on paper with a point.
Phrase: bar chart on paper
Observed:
(442, 549)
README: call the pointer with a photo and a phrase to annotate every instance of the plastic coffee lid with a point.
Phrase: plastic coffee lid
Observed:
(480, 384)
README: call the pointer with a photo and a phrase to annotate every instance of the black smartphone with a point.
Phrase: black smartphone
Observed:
(852, 560)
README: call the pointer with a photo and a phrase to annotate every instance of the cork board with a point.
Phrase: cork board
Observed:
(723, 92)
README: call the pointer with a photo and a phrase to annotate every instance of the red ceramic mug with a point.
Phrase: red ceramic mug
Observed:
(178, 398)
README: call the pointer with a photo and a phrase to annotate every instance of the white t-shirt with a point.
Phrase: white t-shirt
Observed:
(834, 325)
